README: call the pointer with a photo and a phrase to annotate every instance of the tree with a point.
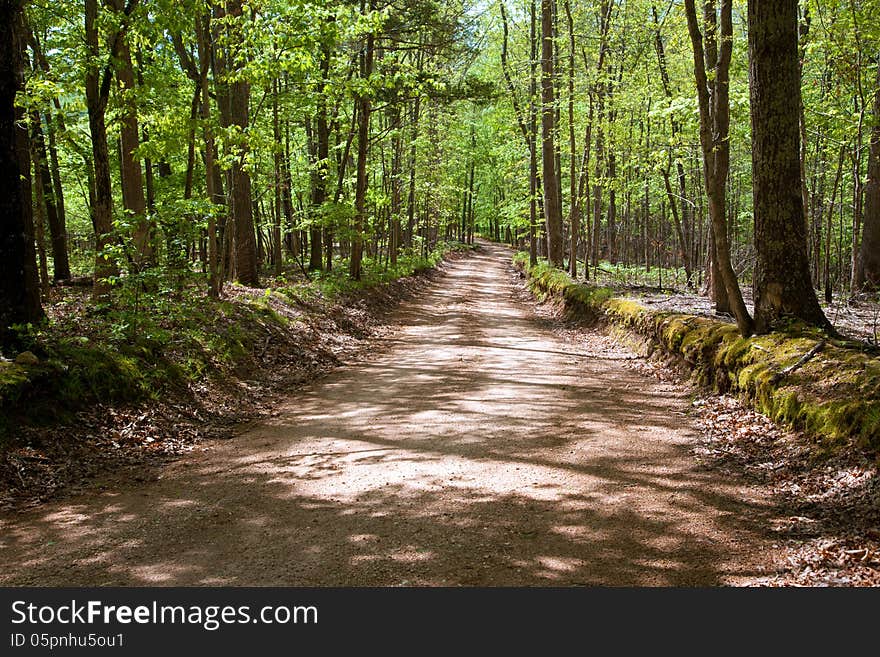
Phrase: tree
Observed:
(363, 136)
(783, 287)
(19, 287)
(319, 152)
(682, 226)
(869, 271)
(527, 123)
(552, 203)
(714, 100)
(233, 99)
(131, 174)
(98, 81)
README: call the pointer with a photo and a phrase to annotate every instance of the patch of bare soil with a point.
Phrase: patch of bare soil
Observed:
(476, 444)
(134, 440)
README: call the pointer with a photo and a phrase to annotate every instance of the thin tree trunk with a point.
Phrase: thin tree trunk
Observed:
(573, 219)
(205, 50)
(54, 192)
(714, 138)
(870, 248)
(43, 178)
(552, 207)
(411, 195)
(826, 279)
(682, 227)
(97, 94)
(234, 100)
(277, 180)
(534, 184)
(39, 204)
(131, 175)
(364, 107)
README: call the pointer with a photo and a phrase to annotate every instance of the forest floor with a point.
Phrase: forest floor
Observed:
(857, 318)
(480, 442)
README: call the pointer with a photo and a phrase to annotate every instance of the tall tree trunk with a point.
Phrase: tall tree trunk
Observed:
(97, 94)
(396, 164)
(39, 203)
(363, 108)
(131, 174)
(411, 193)
(234, 101)
(527, 124)
(43, 177)
(277, 257)
(534, 184)
(826, 278)
(212, 178)
(552, 206)
(19, 287)
(320, 163)
(782, 276)
(573, 219)
(870, 248)
(683, 224)
(606, 10)
(55, 210)
(59, 233)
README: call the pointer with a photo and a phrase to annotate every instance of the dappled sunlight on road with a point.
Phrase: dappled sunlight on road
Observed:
(474, 447)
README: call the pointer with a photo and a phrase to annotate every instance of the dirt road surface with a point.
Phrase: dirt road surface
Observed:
(475, 446)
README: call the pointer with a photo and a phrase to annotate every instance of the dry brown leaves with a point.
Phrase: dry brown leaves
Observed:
(827, 508)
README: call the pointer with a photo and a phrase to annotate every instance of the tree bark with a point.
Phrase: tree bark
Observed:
(39, 203)
(363, 109)
(782, 277)
(682, 224)
(396, 164)
(870, 247)
(714, 138)
(320, 163)
(573, 217)
(55, 210)
(57, 232)
(212, 178)
(131, 174)
(552, 206)
(97, 94)
(234, 101)
(534, 184)
(19, 287)
(277, 257)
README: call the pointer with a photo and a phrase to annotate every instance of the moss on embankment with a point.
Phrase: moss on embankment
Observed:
(834, 396)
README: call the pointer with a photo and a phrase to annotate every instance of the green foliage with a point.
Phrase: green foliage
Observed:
(336, 283)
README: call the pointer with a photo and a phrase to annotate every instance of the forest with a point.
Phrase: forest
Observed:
(479, 232)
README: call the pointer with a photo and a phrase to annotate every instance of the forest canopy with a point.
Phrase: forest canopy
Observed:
(198, 142)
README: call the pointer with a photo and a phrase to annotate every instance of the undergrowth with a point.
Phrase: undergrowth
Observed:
(140, 348)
